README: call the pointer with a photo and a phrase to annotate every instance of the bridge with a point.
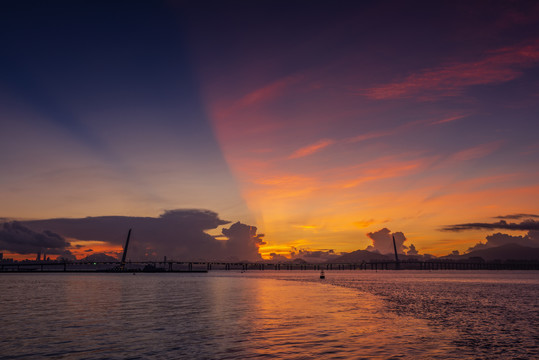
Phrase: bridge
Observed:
(205, 266)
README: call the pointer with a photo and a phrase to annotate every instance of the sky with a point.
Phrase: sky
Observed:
(316, 123)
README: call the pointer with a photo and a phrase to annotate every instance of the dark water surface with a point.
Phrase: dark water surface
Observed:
(270, 314)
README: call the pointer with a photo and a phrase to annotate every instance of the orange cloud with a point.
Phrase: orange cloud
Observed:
(262, 94)
(267, 92)
(477, 152)
(378, 134)
(379, 169)
(284, 180)
(306, 227)
(371, 135)
(449, 119)
(498, 66)
(311, 149)
(78, 248)
(364, 223)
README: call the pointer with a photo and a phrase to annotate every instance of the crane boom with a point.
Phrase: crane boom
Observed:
(122, 264)
(397, 263)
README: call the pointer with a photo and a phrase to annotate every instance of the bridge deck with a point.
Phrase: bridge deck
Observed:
(203, 266)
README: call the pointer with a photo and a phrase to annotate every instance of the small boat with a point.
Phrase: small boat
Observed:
(322, 275)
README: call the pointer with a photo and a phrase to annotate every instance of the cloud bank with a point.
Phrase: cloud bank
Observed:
(531, 239)
(178, 234)
(528, 224)
(517, 216)
(17, 238)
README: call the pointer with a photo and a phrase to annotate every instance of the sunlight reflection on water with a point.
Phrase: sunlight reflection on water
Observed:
(219, 315)
(489, 314)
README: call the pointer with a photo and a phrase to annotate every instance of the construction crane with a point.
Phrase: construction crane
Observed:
(122, 264)
(397, 263)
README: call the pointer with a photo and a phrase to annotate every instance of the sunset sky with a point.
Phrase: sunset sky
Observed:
(318, 122)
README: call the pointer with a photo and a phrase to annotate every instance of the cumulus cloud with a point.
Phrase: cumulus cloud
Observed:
(382, 241)
(17, 238)
(531, 239)
(243, 241)
(177, 234)
(412, 250)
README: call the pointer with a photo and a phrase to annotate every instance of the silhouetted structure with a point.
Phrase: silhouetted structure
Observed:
(205, 266)
(122, 264)
(397, 263)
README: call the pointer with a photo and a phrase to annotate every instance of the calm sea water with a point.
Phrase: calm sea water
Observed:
(270, 314)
